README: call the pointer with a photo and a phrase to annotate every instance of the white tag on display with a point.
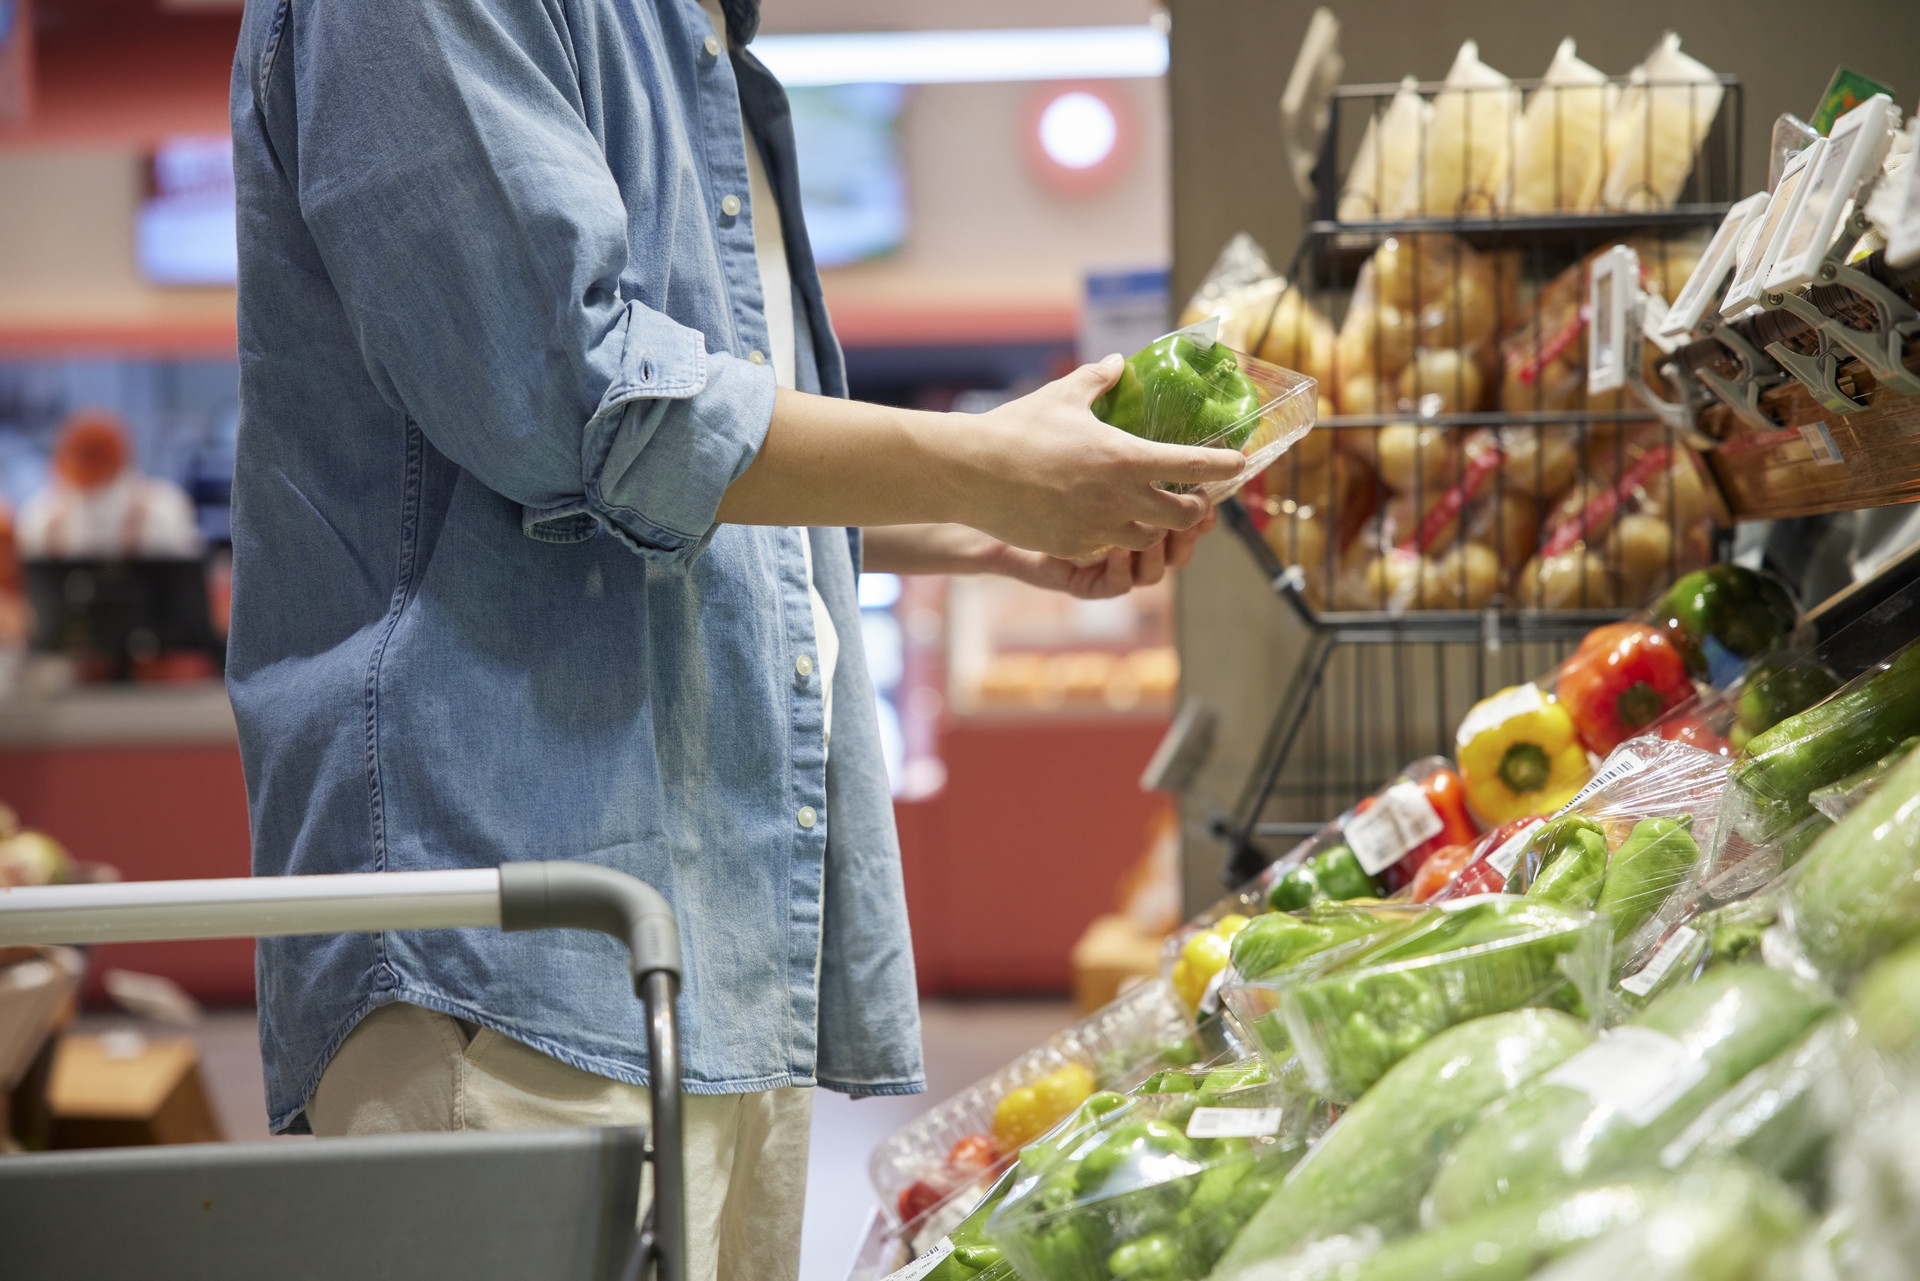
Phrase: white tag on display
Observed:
(924, 1264)
(1233, 1123)
(1210, 999)
(1643, 981)
(1636, 1071)
(1821, 444)
(1613, 295)
(1499, 709)
(1503, 859)
(1401, 820)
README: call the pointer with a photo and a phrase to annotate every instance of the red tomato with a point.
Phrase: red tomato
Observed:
(920, 1197)
(1694, 732)
(973, 1153)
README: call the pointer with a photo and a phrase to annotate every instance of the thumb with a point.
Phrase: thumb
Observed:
(1090, 382)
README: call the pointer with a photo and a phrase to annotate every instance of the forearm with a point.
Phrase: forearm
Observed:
(930, 549)
(841, 462)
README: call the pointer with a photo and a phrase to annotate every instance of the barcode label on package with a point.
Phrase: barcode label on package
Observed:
(1499, 709)
(1643, 980)
(1400, 821)
(1233, 1123)
(1820, 443)
(1616, 767)
(1636, 1071)
(924, 1264)
(1503, 859)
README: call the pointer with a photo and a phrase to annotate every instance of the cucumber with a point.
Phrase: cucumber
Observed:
(1369, 1168)
(1856, 896)
(1553, 1132)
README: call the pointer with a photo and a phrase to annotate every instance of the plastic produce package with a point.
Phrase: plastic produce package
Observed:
(1731, 934)
(1560, 157)
(933, 1169)
(1186, 388)
(1259, 313)
(1856, 895)
(1616, 1105)
(1157, 1185)
(1724, 1222)
(1661, 123)
(1388, 152)
(1354, 1019)
(1462, 169)
(1369, 1170)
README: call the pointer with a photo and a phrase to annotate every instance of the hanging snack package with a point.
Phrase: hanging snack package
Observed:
(1367, 1173)
(1660, 128)
(1560, 157)
(1356, 1017)
(1388, 152)
(1614, 1106)
(1770, 815)
(1188, 389)
(1158, 1186)
(1462, 170)
(1629, 845)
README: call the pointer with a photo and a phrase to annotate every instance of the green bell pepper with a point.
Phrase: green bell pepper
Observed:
(1277, 940)
(1647, 868)
(1736, 611)
(1573, 862)
(1176, 391)
(1333, 873)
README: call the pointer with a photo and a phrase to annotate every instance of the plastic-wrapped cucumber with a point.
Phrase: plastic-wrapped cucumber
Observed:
(1616, 1105)
(1462, 960)
(1856, 896)
(1721, 1222)
(1370, 1167)
(1886, 1005)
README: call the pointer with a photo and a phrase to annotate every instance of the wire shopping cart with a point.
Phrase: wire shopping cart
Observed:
(545, 1204)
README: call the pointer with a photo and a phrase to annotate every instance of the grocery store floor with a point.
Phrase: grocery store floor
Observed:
(965, 1040)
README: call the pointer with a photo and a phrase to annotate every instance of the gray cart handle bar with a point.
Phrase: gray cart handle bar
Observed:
(514, 896)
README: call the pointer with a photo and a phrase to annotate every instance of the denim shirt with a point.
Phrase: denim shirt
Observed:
(497, 304)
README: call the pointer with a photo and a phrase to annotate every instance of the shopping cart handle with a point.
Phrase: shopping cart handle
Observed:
(583, 896)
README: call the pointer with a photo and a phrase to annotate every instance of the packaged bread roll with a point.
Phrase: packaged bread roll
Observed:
(1462, 169)
(1662, 123)
(1387, 153)
(1559, 158)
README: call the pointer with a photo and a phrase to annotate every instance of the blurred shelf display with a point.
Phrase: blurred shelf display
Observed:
(1014, 649)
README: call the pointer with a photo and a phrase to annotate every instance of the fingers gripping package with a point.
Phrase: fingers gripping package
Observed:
(1187, 388)
(1153, 1186)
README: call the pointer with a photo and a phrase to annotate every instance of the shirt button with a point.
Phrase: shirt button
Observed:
(730, 206)
(807, 816)
(756, 357)
(804, 664)
(713, 47)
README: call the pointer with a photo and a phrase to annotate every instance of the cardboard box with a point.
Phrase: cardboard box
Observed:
(1112, 955)
(123, 1090)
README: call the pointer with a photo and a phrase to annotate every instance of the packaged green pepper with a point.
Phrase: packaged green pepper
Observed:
(1571, 855)
(1645, 871)
(1334, 873)
(1181, 391)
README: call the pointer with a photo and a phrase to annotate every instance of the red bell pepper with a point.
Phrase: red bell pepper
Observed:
(1443, 790)
(1440, 868)
(1477, 875)
(1622, 679)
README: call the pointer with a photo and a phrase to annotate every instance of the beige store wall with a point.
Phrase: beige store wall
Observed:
(1231, 58)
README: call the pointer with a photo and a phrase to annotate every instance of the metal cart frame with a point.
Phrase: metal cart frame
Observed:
(514, 896)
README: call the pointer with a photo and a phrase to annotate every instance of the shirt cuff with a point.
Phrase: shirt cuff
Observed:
(676, 428)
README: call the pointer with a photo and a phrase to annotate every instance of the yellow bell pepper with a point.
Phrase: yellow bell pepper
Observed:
(1026, 1113)
(1203, 956)
(1527, 762)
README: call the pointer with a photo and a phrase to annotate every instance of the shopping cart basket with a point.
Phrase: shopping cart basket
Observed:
(546, 1204)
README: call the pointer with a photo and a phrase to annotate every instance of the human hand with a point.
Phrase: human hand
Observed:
(1114, 574)
(1041, 473)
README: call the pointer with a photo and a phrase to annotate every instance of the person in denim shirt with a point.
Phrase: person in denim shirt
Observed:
(536, 557)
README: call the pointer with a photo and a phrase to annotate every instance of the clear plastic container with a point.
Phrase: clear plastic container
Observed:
(1118, 1045)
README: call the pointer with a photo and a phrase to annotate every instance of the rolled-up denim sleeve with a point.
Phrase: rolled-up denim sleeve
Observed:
(466, 215)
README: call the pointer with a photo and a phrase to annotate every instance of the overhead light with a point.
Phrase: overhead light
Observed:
(1078, 130)
(1080, 136)
(957, 57)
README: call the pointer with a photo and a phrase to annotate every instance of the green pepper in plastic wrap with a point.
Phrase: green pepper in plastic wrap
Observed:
(1645, 871)
(1463, 959)
(1179, 391)
(1370, 1168)
(1573, 862)
(1723, 615)
(1856, 896)
(1333, 873)
(1277, 940)
(1615, 1106)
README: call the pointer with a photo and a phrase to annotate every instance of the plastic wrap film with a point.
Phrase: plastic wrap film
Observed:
(1876, 1187)
(1856, 895)
(1186, 388)
(1658, 129)
(1158, 1185)
(1618, 1104)
(1837, 800)
(1630, 844)
(1114, 1047)
(1369, 1170)
(1724, 1221)
(1769, 819)
(1730, 934)
(1352, 1020)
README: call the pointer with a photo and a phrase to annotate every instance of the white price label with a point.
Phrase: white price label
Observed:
(1399, 822)
(1820, 443)
(1503, 859)
(1636, 1071)
(924, 1264)
(1233, 1123)
(1499, 709)
(1643, 980)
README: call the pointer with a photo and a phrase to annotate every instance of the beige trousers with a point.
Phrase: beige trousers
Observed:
(405, 1068)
